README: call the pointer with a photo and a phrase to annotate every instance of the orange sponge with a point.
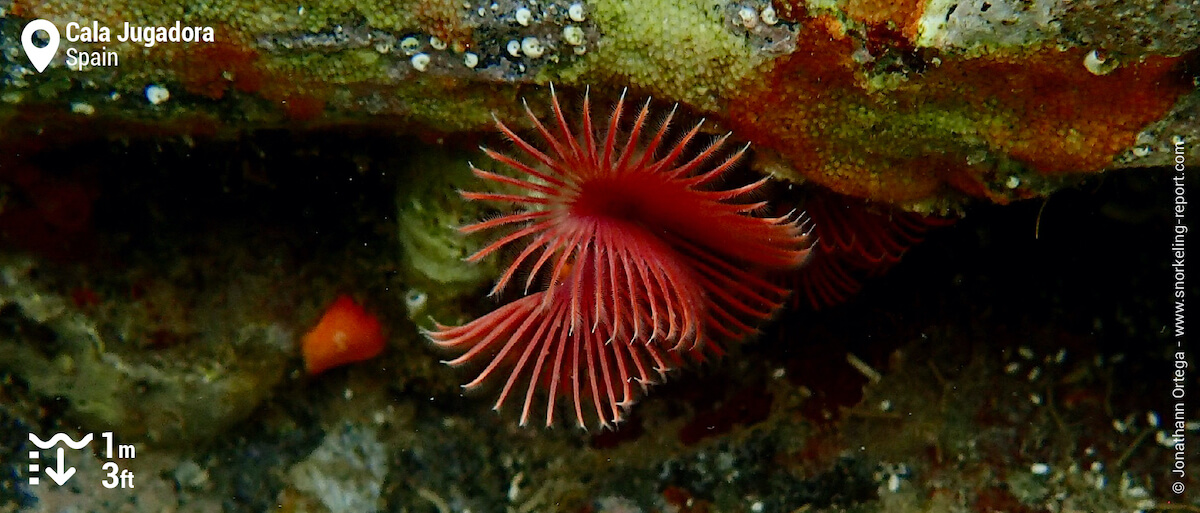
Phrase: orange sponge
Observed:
(346, 334)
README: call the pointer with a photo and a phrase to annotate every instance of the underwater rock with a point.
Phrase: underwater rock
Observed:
(346, 473)
(777, 426)
(173, 396)
(923, 105)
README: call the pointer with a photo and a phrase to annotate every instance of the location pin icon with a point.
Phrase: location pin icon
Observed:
(40, 57)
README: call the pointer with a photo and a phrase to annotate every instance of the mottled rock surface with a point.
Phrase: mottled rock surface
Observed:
(923, 105)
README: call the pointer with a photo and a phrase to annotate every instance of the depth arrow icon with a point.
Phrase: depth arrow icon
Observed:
(60, 476)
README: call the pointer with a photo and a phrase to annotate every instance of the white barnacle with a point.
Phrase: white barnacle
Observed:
(470, 60)
(768, 15)
(437, 43)
(748, 16)
(420, 62)
(157, 94)
(414, 301)
(83, 108)
(410, 45)
(575, 12)
(532, 47)
(514, 48)
(1040, 469)
(1137, 492)
(1097, 63)
(523, 16)
(572, 35)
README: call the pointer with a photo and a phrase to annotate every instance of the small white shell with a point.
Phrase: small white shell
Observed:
(414, 301)
(1097, 63)
(470, 60)
(893, 483)
(420, 62)
(768, 15)
(572, 35)
(523, 16)
(748, 16)
(437, 43)
(575, 12)
(157, 94)
(532, 47)
(514, 48)
(83, 108)
(410, 45)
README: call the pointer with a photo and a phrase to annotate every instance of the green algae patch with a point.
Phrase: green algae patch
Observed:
(675, 50)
